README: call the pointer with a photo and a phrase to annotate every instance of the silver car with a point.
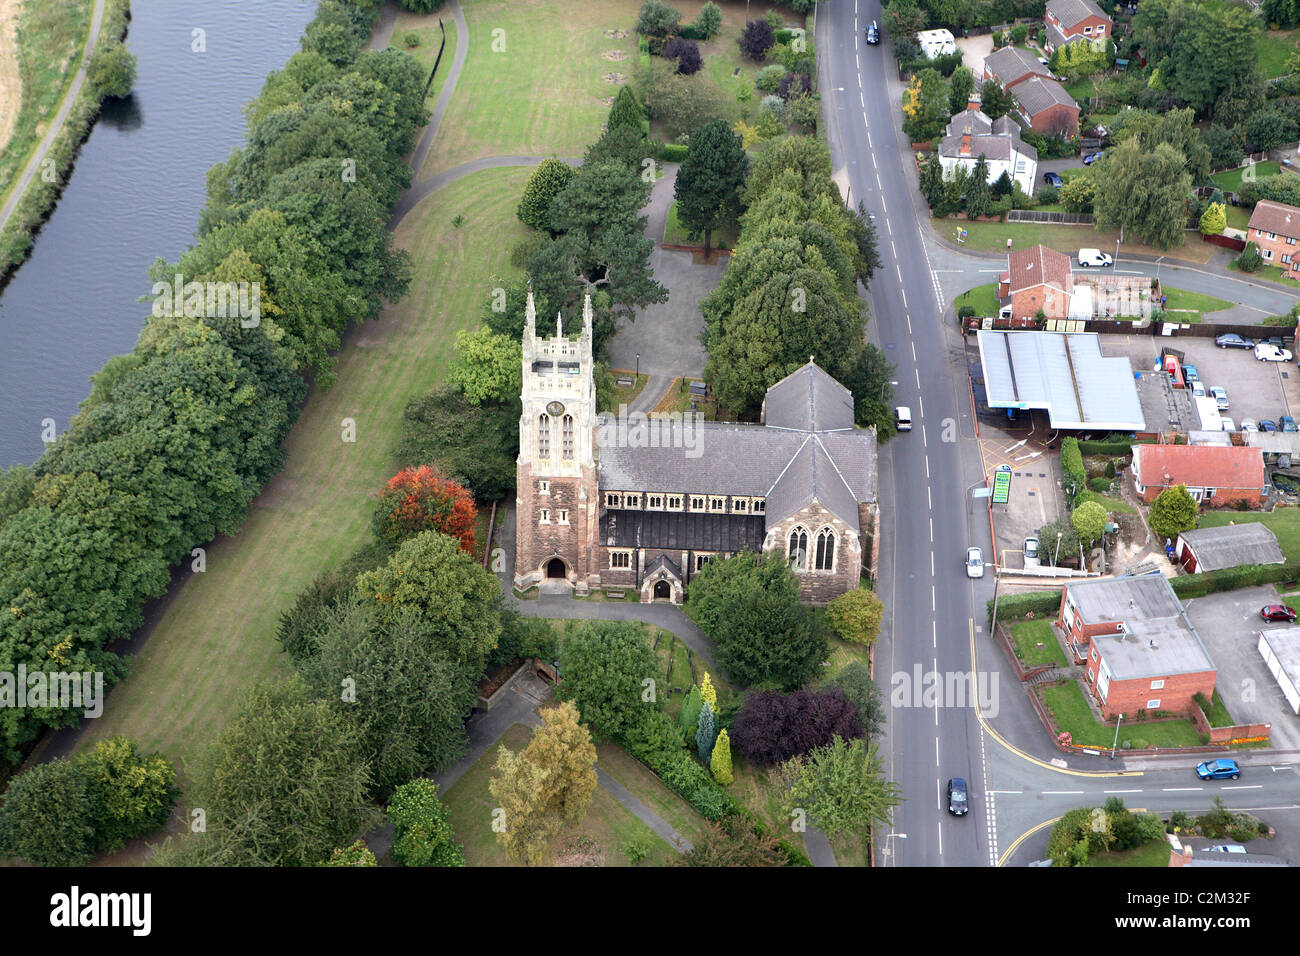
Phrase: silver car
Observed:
(974, 563)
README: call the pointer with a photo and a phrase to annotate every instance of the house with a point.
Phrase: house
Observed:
(643, 503)
(1046, 107)
(1214, 549)
(936, 43)
(1037, 278)
(971, 135)
(1076, 21)
(1216, 475)
(1275, 228)
(1011, 65)
(1141, 653)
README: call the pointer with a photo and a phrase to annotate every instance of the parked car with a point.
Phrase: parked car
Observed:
(1228, 424)
(1089, 160)
(1031, 547)
(1278, 612)
(873, 33)
(1191, 374)
(1223, 768)
(1267, 425)
(1275, 340)
(1266, 352)
(1220, 396)
(903, 418)
(1231, 340)
(1198, 390)
(1249, 425)
(1226, 848)
(1052, 179)
(1287, 424)
(958, 803)
(1043, 60)
(974, 563)
(1094, 257)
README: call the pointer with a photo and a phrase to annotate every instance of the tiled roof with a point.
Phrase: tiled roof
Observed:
(1039, 265)
(1011, 63)
(1277, 218)
(994, 140)
(1201, 466)
(1039, 93)
(1233, 545)
(808, 399)
(1071, 12)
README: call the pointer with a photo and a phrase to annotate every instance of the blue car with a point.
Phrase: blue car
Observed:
(1052, 179)
(1089, 160)
(1218, 769)
(1190, 373)
(1287, 424)
(1267, 425)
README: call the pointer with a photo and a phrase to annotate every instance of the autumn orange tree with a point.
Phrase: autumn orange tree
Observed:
(424, 499)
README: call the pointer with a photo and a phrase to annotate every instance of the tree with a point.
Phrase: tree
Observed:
(1054, 550)
(112, 70)
(681, 104)
(1145, 194)
(686, 53)
(705, 733)
(475, 445)
(546, 787)
(757, 39)
(358, 854)
(855, 616)
(961, 85)
(46, 818)
(1173, 511)
(1250, 260)
(421, 834)
(750, 607)
(606, 665)
(932, 187)
(855, 683)
(1269, 129)
(487, 366)
(422, 6)
(904, 18)
(1214, 220)
(772, 727)
(925, 106)
(1215, 46)
(708, 693)
(1003, 185)
(710, 180)
(1089, 521)
(689, 716)
(995, 102)
(1079, 194)
(657, 19)
(720, 761)
(732, 841)
(843, 788)
(1226, 146)
(709, 23)
(423, 499)
(131, 794)
(552, 175)
(979, 197)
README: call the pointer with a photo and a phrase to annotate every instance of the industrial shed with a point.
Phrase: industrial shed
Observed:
(1280, 648)
(1213, 549)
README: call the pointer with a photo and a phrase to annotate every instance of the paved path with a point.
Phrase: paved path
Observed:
(78, 81)
(383, 32)
(457, 63)
(412, 196)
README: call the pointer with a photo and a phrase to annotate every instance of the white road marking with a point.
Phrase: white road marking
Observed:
(932, 531)
(903, 293)
(931, 564)
(934, 634)
(936, 752)
(921, 400)
(1062, 793)
(913, 344)
(894, 250)
(1242, 786)
(889, 227)
(1182, 789)
(917, 371)
(928, 497)
(909, 329)
(927, 475)
(1121, 791)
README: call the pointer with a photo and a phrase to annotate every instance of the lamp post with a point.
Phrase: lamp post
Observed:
(889, 836)
(1116, 263)
(1056, 555)
(1115, 743)
(638, 365)
(883, 386)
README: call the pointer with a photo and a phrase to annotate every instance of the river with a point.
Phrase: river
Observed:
(134, 196)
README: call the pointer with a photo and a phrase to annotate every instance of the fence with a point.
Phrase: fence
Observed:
(1227, 242)
(1060, 218)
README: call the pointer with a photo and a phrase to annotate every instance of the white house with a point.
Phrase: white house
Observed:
(936, 42)
(972, 134)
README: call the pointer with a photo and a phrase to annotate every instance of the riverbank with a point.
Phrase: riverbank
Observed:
(49, 170)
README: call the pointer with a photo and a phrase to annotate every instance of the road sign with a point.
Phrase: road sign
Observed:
(1001, 487)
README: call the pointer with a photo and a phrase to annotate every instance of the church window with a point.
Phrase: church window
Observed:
(544, 516)
(760, 506)
(701, 560)
(620, 559)
(567, 438)
(739, 505)
(825, 560)
(655, 502)
(632, 501)
(543, 487)
(717, 504)
(674, 502)
(613, 500)
(564, 517)
(798, 551)
(697, 502)
(544, 436)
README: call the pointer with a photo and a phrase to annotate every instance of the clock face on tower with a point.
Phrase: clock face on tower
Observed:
(555, 409)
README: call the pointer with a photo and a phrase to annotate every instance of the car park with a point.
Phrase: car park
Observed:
(1220, 396)
(1287, 423)
(1231, 340)
(974, 563)
(1267, 425)
(1221, 769)
(1267, 352)
(958, 799)
(903, 418)
(1278, 612)
(1053, 179)
(1228, 424)
(873, 33)
(1249, 425)
(1094, 257)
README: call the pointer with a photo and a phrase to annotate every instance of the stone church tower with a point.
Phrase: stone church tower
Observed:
(557, 516)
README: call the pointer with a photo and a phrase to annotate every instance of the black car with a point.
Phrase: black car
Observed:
(957, 802)
(1231, 340)
(873, 33)
(1052, 179)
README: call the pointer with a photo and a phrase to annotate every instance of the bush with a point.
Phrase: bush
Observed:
(673, 152)
(1250, 260)
(1099, 484)
(1047, 195)
(1230, 579)
(1076, 478)
(686, 53)
(757, 39)
(794, 84)
(773, 727)
(709, 23)
(410, 39)
(772, 104)
(1013, 607)
(1215, 220)
(657, 19)
(769, 77)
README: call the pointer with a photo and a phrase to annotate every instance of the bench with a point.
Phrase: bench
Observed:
(613, 594)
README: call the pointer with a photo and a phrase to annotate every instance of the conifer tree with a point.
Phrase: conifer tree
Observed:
(720, 762)
(704, 736)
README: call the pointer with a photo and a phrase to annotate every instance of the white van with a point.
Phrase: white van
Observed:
(1094, 257)
(903, 418)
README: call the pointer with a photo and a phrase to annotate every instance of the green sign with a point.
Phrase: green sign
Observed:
(1001, 487)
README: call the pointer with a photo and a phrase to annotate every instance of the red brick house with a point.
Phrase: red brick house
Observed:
(1140, 651)
(1046, 107)
(1076, 21)
(1215, 475)
(1275, 228)
(1011, 65)
(1037, 278)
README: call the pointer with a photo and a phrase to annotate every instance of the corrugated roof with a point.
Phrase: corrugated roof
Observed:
(681, 530)
(1064, 373)
(1233, 545)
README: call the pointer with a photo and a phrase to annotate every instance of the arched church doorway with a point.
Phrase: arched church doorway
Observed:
(555, 568)
(663, 590)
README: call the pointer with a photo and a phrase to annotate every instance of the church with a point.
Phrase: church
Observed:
(601, 507)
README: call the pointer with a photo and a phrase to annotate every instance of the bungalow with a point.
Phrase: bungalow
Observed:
(1076, 21)
(1275, 228)
(1011, 65)
(971, 135)
(1214, 474)
(1046, 107)
(1141, 653)
(1037, 278)
(1214, 549)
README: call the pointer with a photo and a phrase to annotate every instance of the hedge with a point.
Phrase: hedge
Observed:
(1016, 606)
(1072, 465)
(673, 153)
(1230, 579)
(1111, 448)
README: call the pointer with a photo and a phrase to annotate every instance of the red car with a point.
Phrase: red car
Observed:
(1278, 612)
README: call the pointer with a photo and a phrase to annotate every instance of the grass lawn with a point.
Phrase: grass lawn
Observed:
(1071, 711)
(470, 805)
(623, 394)
(51, 37)
(1219, 715)
(1230, 179)
(1284, 523)
(1074, 172)
(1180, 300)
(983, 299)
(1238, 216)
(1037, 644)
(650, 790)
(676, 234)
(1110, 504)
(1082, 89)
(1272, 47)
(678, 400)
(218, 635)
(1155, 853)
(1271, 273)
(426, 27)
(993, 236)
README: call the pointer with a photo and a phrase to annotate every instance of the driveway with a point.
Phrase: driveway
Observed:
(973, 52)
(1229, 625)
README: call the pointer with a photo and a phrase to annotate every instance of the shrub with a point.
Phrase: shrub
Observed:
(1230, 579)
(772, 104)
(1076, 478)
(673, 152)
(709, 22)
(421, 834)
(1250, 260)
(773, 727)
(1012, 607)
(686, 53)
(423, 499)
(1099, 484)
(410, 40)
(855, 616)
(757, 39)
(422, 6)
(1047, 195)
(769, 77)
(657, 19)
(1173, 511)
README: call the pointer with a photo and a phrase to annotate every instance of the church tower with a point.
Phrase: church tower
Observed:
(557, 507)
